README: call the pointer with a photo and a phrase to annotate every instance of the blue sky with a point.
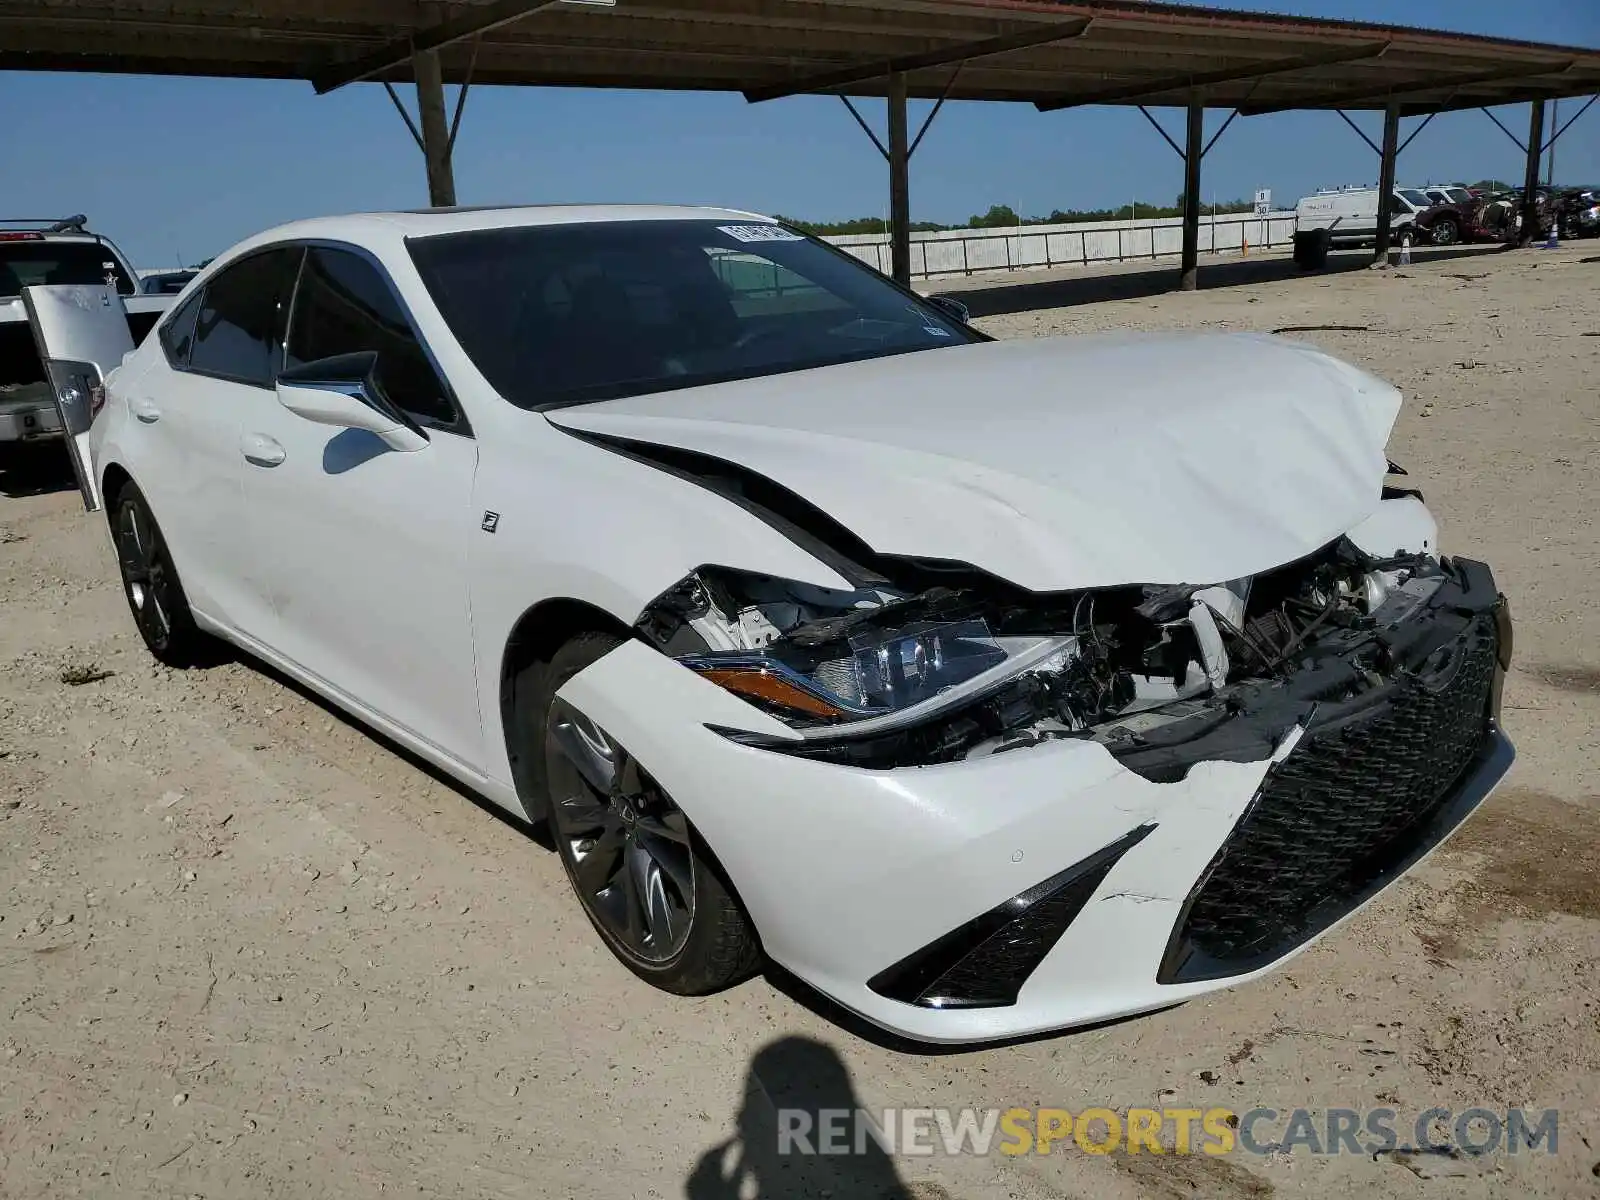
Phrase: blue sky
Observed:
(188, 166)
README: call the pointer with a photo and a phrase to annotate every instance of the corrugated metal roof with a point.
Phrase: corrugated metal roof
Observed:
(1056, 55)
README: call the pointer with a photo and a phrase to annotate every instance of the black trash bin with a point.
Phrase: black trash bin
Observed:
(1311, 248)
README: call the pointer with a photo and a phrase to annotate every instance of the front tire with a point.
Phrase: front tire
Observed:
(150, 581)
(645, 879)
(1446, 232)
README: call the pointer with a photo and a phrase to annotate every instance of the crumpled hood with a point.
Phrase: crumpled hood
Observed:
(1057, 463)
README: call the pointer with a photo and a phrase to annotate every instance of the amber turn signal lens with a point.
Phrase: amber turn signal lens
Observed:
(771, 689)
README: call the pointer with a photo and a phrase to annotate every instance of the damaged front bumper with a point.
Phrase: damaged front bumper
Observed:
(1075, 880)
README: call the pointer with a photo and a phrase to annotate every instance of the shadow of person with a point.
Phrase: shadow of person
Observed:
(792, 1087)
(34, 469)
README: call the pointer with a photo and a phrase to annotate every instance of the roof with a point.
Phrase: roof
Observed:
(35, 236)
(1053, 54)
(427, 222)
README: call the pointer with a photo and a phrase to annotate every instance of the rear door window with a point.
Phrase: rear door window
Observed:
(239, 331)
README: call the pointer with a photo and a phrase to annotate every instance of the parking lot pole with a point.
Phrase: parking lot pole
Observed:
(1194, 150)
(1386, 163)
(435, 130)
(899, 181)
(1530, 178)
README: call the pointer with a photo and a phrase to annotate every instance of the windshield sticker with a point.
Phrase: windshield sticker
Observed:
(760, 233)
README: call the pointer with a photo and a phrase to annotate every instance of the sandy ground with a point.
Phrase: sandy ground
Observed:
(247, 950)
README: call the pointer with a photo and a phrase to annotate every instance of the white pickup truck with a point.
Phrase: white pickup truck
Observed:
(52, 251)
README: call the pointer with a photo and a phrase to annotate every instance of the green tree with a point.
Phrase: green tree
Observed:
(999, 216)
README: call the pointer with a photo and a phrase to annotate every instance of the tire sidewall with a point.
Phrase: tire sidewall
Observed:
(129, 500)
(185, 645)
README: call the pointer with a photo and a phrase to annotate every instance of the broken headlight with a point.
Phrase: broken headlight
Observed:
(912, 670)
(817, 657)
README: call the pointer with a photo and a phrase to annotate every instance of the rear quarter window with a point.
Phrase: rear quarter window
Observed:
(177, 334)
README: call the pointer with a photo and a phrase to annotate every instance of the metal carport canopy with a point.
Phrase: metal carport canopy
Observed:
(1129, 52)
(1054, 55)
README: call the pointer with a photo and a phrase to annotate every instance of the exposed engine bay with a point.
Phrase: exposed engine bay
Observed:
(1163, 676)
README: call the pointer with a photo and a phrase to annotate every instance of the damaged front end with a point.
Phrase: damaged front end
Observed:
(1372, 684)
(1163, 677)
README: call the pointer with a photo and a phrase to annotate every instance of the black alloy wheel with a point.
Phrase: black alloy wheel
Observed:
(627, 843)
(155, 594)
(646, 881)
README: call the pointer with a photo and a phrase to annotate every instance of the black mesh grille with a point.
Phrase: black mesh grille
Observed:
(1351, 802)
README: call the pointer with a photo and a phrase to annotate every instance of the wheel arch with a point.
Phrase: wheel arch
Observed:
(538, 633)
(113, 479)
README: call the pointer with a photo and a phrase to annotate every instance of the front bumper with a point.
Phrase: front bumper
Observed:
(1119, 894)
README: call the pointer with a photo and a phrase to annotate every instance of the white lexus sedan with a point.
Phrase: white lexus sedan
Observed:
(990, 687)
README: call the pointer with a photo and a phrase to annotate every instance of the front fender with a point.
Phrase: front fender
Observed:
(563, 519)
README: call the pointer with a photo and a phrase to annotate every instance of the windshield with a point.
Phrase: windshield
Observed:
(568, 314)
(1414, 198)
(25, 263)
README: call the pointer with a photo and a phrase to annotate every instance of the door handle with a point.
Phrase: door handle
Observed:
(261, 450)
(145, 411)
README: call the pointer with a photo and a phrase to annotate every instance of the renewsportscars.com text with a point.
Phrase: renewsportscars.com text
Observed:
(1098, 1130)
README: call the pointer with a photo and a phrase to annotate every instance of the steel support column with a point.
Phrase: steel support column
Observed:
(1194, 151)
(899, 182)
(1386, 164)
(1550, 147)
(1530, 177)
(435, 128)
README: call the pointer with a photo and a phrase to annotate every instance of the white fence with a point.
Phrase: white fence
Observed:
(963, 251)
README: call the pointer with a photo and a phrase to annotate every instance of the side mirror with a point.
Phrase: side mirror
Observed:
(344, 390)
(951, 307)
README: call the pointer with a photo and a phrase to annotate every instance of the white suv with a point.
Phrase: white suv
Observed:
(34, 251)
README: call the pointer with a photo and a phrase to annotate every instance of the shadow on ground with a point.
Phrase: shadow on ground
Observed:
(791, 1083)
(35, 470)
(225, 652)
(994, 299)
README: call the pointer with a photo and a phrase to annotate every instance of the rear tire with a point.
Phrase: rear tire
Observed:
(150, 581)
(646, 881)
